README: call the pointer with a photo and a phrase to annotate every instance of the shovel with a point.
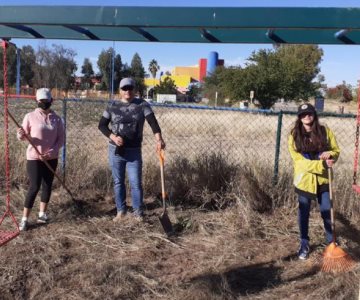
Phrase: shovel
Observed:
(164, 218)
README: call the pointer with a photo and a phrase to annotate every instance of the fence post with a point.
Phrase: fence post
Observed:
(63, 152)
(277, 148)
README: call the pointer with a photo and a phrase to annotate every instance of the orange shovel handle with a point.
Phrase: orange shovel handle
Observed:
(162, 159)
(161, 156)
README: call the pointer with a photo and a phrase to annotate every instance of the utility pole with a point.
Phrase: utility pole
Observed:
(17, 71)
(112, 71)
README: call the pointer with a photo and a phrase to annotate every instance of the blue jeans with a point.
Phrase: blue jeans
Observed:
(131, 160)
(304, 213)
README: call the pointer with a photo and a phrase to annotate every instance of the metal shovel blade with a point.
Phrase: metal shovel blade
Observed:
(166, 224)
(164, 218)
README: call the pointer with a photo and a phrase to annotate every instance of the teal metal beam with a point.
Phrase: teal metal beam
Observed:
(274, 37)
(145, 34)
(220, 17)
(207, 35)
(342, 36)
(184, 24)
(82, 31)
(28, 30)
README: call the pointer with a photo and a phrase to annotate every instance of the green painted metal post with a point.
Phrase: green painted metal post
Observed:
(277, 148)
(63, 152)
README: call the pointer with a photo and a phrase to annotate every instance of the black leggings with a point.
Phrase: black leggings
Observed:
(39, 174)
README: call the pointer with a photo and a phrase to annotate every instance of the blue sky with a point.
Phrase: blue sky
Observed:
(339, 62)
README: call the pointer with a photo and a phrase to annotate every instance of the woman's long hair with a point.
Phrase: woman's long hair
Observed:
(314, 141)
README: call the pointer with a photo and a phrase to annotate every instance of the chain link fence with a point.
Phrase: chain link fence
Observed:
(244, 136)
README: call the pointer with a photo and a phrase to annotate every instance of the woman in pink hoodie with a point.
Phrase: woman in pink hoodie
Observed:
(46, 131)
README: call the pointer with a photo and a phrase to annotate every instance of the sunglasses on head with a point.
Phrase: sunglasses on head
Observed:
(127, 88)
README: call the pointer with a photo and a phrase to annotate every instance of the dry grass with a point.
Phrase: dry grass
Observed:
(243, 250)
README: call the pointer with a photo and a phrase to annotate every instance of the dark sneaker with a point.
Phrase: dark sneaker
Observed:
(304, 251)
(44, 219)
(23, 226)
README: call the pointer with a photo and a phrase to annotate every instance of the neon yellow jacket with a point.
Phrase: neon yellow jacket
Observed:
(309, 174)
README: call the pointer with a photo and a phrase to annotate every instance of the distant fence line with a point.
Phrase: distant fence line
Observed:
(244, 136)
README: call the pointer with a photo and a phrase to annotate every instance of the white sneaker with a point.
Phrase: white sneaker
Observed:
(304, 251)
(23, 226)
(43, 219)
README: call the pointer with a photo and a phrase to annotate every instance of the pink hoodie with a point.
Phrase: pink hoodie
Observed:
(46, 132)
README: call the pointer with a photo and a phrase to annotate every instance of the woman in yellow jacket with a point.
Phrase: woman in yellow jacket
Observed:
(313, 149)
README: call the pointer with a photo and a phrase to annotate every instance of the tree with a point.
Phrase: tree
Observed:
(48, 67)
(286, 72)
(11, 65)
(300, 67)
(63, 67)
(55, 68)
(194, 92)
(235, 83)
(104, 65)
(153, 67)
(88, 72)
(125, 71)
(263, 75)
(137, 71)
(42, 69)
(27, 65)
(118, 71)
(347, 95)
(214, 85)
(167, 86)
(343, 92)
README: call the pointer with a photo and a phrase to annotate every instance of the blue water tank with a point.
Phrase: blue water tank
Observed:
(212, 63)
